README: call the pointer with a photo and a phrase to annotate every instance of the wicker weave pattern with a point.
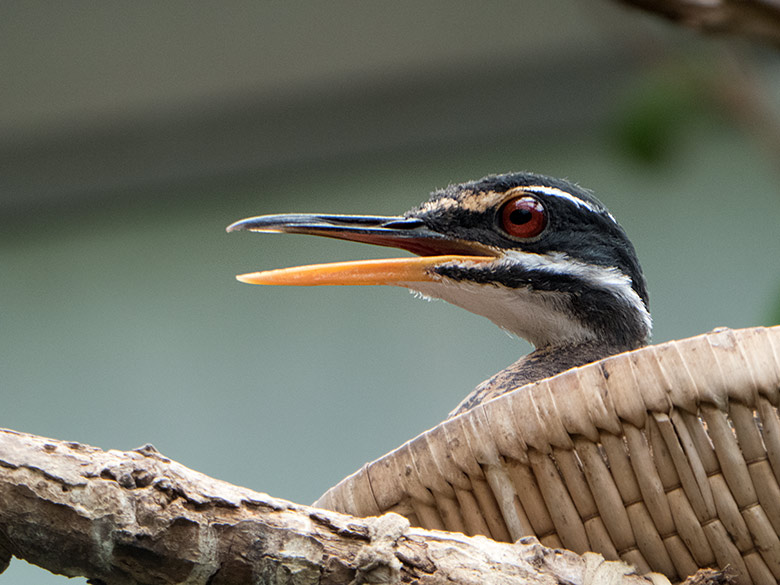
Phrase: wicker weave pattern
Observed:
(667, 457)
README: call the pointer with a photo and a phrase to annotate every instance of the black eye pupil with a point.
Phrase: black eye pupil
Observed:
(520, 216)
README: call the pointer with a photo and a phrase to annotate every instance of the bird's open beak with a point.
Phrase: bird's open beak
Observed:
(409, 234)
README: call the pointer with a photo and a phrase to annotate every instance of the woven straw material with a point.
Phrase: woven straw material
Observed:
(667, 457)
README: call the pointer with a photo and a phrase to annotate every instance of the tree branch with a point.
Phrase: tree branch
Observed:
(759, 19)
(138, 517)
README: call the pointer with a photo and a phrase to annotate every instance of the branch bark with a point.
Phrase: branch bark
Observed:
(759, 19)
(138, 517)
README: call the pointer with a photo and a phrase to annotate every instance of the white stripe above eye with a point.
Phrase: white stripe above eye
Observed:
(553, 192)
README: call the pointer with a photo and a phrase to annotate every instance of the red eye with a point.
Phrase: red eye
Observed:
(523, 217)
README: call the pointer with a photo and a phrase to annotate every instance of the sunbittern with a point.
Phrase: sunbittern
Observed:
(540, 257)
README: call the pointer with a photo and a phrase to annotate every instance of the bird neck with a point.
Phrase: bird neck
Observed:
(549, 309)
(539, 364)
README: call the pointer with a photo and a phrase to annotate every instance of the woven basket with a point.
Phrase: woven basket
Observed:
(667, 457)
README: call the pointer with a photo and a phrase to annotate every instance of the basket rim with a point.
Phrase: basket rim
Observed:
(581, 401)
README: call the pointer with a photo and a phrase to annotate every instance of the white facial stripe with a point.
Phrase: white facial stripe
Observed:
(540, 318)
(552, 191)
(609, 278)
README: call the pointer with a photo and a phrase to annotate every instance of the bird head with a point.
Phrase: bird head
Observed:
(540, 257)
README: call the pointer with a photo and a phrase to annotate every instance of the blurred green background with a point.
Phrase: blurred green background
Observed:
(131, 134)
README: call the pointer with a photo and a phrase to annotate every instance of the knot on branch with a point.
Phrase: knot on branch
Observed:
(377, 561)
(599, 571)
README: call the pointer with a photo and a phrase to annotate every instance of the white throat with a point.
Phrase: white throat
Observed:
(544, 318)
(538, 317)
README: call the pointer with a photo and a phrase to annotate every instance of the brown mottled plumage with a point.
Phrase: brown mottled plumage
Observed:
(537, 365)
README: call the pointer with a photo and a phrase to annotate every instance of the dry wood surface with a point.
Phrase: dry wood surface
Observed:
(137, 517)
